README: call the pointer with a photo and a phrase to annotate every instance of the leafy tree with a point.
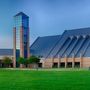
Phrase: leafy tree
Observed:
(21, 61)
(7, 61)
(26, 62)
(33, 60)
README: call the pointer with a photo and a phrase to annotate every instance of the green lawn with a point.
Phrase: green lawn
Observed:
(44, 80)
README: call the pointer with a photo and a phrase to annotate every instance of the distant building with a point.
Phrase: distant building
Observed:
(71, 49)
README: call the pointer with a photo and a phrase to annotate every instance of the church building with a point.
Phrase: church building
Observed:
(68, 50)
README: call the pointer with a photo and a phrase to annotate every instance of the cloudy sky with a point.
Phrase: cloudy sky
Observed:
(47, 17)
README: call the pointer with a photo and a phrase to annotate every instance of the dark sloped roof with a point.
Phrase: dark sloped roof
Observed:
(71, 43)
(77, 32)
(21, 13)
(44, 45)
(8, 52)
(74, 42)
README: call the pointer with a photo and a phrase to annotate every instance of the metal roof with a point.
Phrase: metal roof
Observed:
(44, 45)
(71, 43)
(21, 13)
(6, 52)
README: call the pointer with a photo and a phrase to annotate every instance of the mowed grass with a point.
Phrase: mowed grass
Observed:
(44, 80)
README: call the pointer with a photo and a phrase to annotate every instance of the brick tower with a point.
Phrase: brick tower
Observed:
(20, 37)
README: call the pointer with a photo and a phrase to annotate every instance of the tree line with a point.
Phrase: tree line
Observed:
(32, 62)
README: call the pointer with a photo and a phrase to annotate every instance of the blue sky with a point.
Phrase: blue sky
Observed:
(47, 17)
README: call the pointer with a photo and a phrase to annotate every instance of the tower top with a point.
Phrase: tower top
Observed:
(21, 13)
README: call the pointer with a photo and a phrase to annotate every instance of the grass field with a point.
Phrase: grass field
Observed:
(44, 80)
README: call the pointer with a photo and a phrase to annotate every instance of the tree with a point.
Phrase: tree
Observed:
(26, 62)
(7, 61)
(21, 61)
(33, 60)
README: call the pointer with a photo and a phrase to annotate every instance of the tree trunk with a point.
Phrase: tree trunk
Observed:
(21, 65)
(35, 66)
(28, 65)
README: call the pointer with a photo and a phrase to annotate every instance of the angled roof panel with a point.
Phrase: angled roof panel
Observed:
(6, 52)
(87, 53)
(60, 46)
(70, 33)
(83, 47)
(64, 47)
(70, 47)
(76, 47)
(43, 45)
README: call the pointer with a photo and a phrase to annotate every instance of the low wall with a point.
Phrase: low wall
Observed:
(84, 61)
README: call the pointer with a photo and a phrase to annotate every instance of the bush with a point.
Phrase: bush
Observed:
(7, 61)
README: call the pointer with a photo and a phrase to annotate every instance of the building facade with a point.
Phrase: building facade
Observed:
(71, 49)
(20, 36)
(6, 53)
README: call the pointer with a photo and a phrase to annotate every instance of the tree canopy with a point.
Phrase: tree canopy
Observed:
(7, 61)
(21, 60)
(33, 59)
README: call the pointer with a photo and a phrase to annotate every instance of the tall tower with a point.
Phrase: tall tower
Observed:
(20, 36)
